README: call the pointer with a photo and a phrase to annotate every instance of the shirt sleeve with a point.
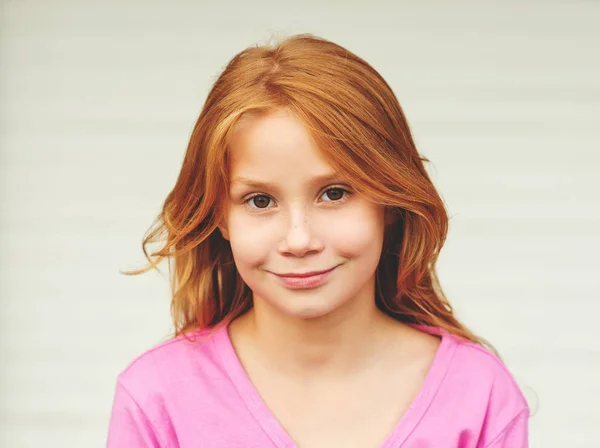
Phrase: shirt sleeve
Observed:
(515, 435)
(129, 426)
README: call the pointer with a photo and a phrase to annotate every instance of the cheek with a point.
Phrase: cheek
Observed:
(359, 235)
(250, 243)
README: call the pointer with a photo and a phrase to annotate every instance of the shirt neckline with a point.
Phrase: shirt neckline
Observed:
(271, 426)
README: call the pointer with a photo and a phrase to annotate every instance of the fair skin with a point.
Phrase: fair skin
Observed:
(332, 368)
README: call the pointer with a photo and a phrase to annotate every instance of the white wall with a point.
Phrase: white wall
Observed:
(97, 101)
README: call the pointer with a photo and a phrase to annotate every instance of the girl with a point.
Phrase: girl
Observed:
(304, 232)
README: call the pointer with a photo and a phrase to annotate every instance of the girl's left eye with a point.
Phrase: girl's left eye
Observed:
(335, 194)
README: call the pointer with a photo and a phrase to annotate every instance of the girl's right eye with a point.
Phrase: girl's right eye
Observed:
(258, 202)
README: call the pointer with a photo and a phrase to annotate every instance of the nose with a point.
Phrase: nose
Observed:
(299, 238)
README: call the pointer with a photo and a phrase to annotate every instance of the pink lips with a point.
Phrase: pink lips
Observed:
(305, 280)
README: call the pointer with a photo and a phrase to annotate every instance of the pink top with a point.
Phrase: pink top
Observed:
(197, 394)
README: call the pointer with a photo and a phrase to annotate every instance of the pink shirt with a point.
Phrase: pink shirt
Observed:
(196, 394)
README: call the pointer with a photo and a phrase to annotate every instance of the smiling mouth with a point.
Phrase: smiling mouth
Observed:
(304, 274)
(305, 280)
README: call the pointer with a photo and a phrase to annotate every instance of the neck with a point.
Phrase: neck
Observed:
(344, 340)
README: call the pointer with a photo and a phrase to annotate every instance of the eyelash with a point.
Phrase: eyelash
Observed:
(346, 192)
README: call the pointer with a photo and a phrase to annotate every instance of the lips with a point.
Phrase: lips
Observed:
(305, 280)
(304, 274)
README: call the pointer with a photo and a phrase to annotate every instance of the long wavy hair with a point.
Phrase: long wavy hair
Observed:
(357, 122)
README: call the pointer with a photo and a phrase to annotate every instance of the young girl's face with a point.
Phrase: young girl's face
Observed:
(289, 213)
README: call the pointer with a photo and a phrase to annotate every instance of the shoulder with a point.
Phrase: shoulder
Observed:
(465, 375)
(466, 362)
(487, 386)
(165, 385)
(162, 367)
(487, 371)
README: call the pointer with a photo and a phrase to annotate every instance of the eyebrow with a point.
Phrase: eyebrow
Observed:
(255, 183)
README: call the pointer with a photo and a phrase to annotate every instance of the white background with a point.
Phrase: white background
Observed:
(97, 102)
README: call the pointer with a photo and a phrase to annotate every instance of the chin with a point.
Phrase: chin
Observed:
(309, 311)
(311, 314)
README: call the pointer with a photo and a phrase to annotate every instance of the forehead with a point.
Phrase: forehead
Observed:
(276, 145)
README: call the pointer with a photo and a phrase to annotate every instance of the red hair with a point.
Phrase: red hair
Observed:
(356, 121)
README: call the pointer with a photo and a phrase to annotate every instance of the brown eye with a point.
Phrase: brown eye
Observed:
(260, 201)
(335, 194)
